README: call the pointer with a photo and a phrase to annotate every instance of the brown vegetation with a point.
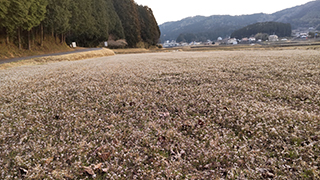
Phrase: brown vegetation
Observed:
(179, 115)
(8, 51)
(119, 44)
(67, 57)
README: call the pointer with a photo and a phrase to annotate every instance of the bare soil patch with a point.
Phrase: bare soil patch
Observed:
(179, 115)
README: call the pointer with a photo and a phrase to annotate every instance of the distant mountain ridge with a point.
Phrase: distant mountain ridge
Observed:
(212, 27)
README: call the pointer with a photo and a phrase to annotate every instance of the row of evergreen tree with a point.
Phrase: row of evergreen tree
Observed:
(277, 28)
(187, 37)
(87, 22)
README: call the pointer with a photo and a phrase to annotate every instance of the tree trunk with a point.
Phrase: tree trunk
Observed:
(32, 37)
(41, 35)
(19, 38)
(61, 40)
(29, 40)
(7, 39)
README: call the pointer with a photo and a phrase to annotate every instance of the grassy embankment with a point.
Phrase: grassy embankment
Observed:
(50, 46)
(53, 59)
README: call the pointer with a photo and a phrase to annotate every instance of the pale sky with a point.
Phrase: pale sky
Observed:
(174, 10)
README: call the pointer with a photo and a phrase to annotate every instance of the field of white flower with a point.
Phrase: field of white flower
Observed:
(181, 115)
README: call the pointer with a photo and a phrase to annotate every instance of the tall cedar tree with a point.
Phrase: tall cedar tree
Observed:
(155, 28)
(103, 22)
(101, 19)
(15, 17)
(58, 17)
(128, 14)
(115, 25)
(36, 14)
(82, 22)
(150, 32)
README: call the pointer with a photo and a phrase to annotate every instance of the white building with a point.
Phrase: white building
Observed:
(233, 41)
(252, 39)
(273, 38)
(169, 44)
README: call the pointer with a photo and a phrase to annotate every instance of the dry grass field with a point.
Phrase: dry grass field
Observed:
(178, 115)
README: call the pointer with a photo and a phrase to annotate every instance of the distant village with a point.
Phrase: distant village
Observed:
(300, 34)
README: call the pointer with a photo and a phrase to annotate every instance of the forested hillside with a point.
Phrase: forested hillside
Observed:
(280, 29)
(26, 23)
(203, 28)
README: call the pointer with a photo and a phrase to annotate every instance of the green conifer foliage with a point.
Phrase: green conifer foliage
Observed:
(4, 5)
(280, 29)
(128, 14)
(16, 15)
(83, 23)
(58, 16)
(87, 22)
(36, 14)
(115, 25)
(150, 32)
(101, 21)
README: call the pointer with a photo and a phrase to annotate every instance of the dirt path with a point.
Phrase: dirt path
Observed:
(3, 61)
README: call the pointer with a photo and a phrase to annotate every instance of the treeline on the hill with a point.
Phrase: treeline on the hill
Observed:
(202, 36)
(186, 37)
(87, 22)
(277, 28)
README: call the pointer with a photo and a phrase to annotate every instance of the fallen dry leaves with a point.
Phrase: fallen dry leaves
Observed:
(89, 170)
